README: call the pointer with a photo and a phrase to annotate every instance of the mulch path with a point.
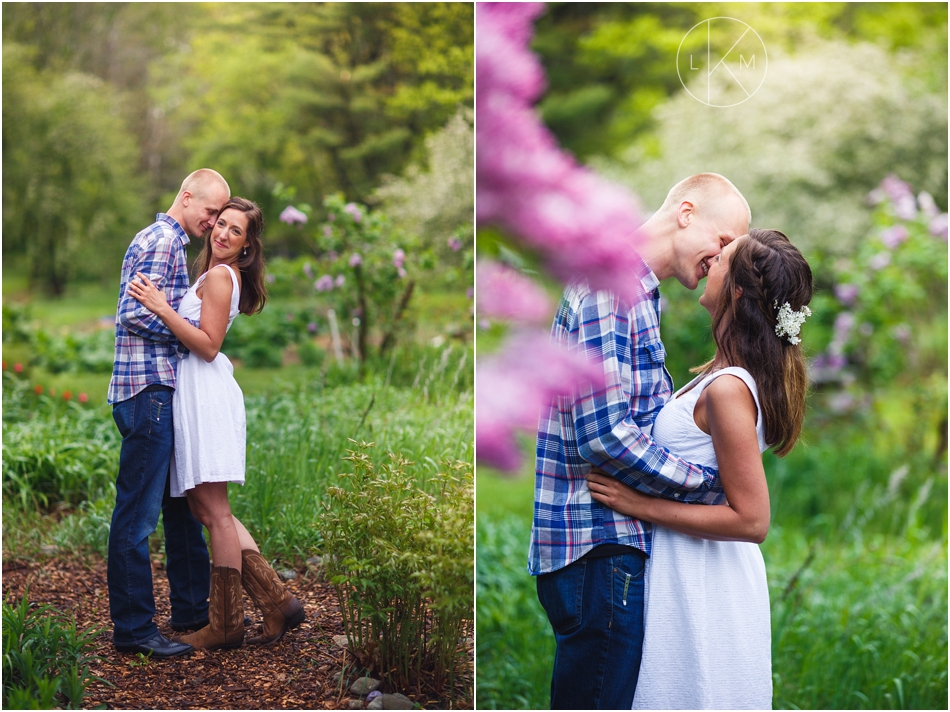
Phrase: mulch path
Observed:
(298, 672)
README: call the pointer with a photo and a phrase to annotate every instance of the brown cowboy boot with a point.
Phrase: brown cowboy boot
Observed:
(225, 613)
(282, 611)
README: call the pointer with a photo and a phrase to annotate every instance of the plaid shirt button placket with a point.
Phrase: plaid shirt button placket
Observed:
(146, 351)
(608, 427)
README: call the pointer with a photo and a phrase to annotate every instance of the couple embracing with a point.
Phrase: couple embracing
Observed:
(181, 416)
(649, 504)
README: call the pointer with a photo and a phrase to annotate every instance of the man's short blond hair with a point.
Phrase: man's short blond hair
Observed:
(706, 191)
(198, 182)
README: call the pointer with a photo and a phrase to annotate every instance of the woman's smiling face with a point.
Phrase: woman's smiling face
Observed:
(229, 236)
(718, 269)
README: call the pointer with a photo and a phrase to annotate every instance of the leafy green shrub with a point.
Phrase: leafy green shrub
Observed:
(259, 340)
(55, 451)
(45, 659)
(400, 554)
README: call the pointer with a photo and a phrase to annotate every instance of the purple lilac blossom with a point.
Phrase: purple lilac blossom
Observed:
(846, 293)
(340, 280)
(353, 210)
(581, 224)
(355, 260)
(844, 322)
(454, 244)
(901, 195)
(512, 389)
(925, 201)
(401, 271)
(880, 260)
(291, 216)
(399, 258)
(938, 226)
(894, 236)
(312, 327)
(504, 293)
(324, 284)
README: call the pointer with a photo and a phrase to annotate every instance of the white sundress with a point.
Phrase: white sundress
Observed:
(209, 410)
(707, 631)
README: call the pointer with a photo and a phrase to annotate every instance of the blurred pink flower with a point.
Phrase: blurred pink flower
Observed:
(83, 398)
(353, 210)
(324, 284)
(504, 293)
(894, 236)
(938, 226)
(291, 216)
(512, 386)
(308, 270)
(846, 293)
(355, 260)
(399, 258)
(340, 280)
(895, 188)
(580, 224)
(327, 231)
(401, 271)
(454, 244)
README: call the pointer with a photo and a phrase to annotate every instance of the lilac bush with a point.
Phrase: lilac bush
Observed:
(577, 224)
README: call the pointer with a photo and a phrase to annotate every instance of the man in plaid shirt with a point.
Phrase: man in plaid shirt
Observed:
(588, 559)
(141, 390)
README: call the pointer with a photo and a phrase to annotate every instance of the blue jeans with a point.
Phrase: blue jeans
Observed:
(595, 606)
(142, 491)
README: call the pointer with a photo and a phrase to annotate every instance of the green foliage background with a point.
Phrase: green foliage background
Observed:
(107, 106)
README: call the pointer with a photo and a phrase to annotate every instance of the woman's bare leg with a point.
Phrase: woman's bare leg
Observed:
(247, 541)
(209, 503)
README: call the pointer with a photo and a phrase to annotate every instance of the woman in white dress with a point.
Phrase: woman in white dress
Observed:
(208, 409)
(707, 637)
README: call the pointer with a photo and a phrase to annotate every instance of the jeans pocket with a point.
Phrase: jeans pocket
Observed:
(123, 414)
(159, 406)
(562, 595)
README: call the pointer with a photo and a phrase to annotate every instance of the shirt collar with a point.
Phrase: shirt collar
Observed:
(179, 232)
(646, 276)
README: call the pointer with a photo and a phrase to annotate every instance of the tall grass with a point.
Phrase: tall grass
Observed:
(63, 457)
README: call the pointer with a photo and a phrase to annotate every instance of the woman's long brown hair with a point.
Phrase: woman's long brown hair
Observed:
(251, 265)
(766, 271)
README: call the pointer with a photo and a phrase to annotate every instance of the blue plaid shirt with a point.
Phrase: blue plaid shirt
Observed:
(146, 351)
(608, 427)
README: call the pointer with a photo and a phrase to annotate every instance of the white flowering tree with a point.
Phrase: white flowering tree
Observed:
(826, 126)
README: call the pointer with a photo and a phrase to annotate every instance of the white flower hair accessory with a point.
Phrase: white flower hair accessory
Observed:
(790, 322)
